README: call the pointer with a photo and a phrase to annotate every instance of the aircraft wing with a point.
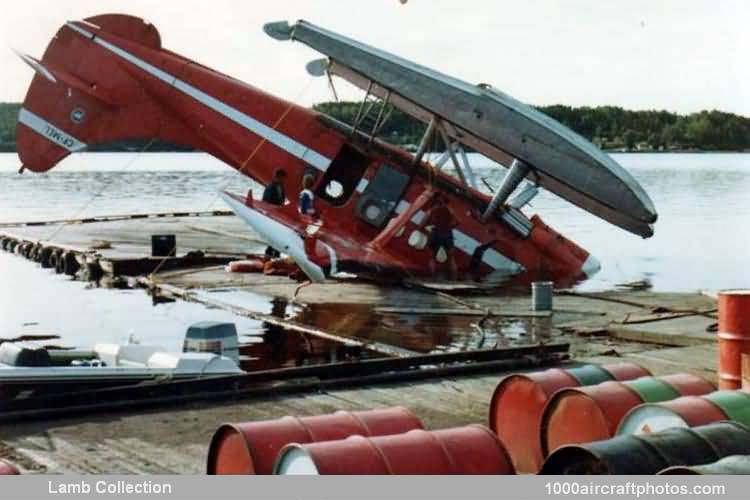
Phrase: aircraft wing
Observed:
(490, 122)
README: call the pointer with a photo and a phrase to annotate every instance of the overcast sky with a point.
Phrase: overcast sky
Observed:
(679, 55)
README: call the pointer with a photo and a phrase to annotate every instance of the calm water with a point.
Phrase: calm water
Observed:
(701, 237)
(701, 240)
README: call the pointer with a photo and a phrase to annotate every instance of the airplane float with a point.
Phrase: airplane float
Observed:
(108, 78)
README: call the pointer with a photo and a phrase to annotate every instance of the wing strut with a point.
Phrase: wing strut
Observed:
(515, 175)
(426, 138)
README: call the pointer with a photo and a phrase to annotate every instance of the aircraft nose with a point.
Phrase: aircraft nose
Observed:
(591, 266)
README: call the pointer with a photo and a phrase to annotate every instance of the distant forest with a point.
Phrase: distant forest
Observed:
(609, 127)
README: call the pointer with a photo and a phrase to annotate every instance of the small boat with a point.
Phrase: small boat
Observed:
(210, 349)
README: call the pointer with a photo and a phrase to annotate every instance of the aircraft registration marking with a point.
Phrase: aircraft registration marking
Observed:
(49, 131)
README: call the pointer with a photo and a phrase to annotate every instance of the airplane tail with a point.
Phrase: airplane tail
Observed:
(79, 98)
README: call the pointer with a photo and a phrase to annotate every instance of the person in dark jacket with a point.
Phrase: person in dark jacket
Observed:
(442, 221)
(275, 194)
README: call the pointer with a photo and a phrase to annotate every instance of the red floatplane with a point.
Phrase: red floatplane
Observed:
(107, 78)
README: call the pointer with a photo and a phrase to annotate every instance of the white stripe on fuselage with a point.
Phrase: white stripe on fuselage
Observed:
(468, 245)
(273, 136)
(49, 131)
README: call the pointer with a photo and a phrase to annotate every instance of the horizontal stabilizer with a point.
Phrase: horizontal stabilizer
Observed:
(36, 66)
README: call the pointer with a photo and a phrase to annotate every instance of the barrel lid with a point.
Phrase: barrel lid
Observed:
(515, 411)
(561, 423)
(294, 460)
(649, 418)
(229, 452)
(652, 390)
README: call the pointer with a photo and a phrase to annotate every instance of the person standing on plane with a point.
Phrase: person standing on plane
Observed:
(275, 194)
(443, 222)
(306, 197)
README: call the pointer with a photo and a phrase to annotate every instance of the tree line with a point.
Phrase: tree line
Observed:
(609, 127)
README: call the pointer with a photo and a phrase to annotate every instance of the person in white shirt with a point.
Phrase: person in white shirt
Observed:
(306, 197)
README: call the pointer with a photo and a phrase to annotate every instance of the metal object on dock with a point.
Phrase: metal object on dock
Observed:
(23, 354)
(735, 464)
(651, 453)
(252, 447)
(518, 401)
(213, 336)
(734, 336)
(541, 295)
(7, 469)
(587, 414)
(688, 411)
(473, 449)
(163, 245)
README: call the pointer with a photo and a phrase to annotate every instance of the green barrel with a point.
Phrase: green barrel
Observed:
(652, 390)
(735, 404)
(590, 374)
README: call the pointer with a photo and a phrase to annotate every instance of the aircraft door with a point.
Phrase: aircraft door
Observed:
(381, 196)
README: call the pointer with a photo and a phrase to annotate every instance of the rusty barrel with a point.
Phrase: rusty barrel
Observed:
(518, 400)
(746, 372)
(252, 447)
(473, 449)
(651, 453)
(687, 411)
(586, 414)
(734, 336)
(735, 464)
(7, 469)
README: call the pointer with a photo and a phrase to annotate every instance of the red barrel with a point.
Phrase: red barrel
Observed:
(7, 469)
(252, 447)
(518, 401)
(734, 336)
(746, 372)
(586, 414)
(473, 449)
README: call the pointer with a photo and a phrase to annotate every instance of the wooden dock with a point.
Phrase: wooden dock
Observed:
(665, 332)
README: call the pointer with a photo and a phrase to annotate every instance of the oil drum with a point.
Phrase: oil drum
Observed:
(735, 464)
(473, 449)
(687, 411)
(734, 336)
(586, 414)
(518, 400)
(252, 447)
(651, 453)
(7, 468)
